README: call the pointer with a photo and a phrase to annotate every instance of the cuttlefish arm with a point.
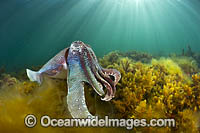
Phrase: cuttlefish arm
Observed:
(115, 77)
(55, 68)
(76, 100)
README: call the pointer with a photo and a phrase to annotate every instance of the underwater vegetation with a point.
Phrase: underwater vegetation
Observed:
(114, 57)
(25, 97)
(166, 87)
(20, 97)
(188, 64)
(190, 53)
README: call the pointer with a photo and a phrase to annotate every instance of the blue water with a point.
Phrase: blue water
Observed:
(32, 31)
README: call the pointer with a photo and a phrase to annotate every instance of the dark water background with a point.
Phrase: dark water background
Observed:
(32, 31)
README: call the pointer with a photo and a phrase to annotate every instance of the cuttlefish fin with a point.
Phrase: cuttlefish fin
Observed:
(56, 67)
(34, 76)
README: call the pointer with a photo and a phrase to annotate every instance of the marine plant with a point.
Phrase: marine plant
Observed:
(188, 65)
(7, 80)
(158, 90)
(110, 58)
(114, 57)
(123, 63)
(196, 56)
(138, 56)
(27, 97)
(191, 54)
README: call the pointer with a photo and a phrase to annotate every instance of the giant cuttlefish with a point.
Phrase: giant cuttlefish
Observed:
(78, 64)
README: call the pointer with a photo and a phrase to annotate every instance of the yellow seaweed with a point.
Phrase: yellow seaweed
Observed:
(161, 89)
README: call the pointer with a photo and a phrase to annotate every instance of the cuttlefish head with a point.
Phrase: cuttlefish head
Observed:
(95, 75)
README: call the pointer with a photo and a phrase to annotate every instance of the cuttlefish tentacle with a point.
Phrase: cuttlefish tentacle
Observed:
(116, 74)
(79, 65)
(95, 70)
(86, 60)
(103, 77)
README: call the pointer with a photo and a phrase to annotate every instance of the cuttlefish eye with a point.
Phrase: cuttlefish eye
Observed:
(112, 77)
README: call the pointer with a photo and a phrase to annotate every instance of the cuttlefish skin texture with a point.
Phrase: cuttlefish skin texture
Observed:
(80, 65)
